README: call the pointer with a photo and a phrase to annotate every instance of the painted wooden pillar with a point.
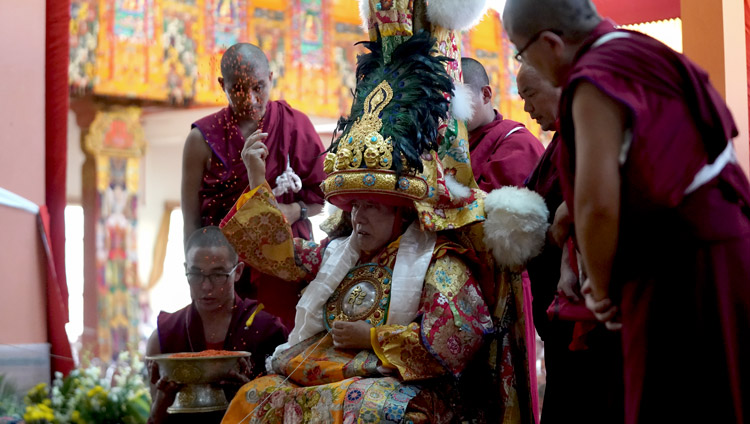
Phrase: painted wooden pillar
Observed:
(713, 34)
(114, 144)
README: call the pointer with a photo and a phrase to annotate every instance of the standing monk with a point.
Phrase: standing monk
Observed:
(503, 152)
(213, 175)
(571, 375)
(660, 208)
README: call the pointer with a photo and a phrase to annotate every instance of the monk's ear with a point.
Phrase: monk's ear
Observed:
(221, 83)
(486, 94)
(553, 41)
(270, 76)
(238, 271)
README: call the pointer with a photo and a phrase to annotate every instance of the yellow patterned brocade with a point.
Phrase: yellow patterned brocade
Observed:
(288, 402)
(401, 348)
(262, 236)
(454, 322)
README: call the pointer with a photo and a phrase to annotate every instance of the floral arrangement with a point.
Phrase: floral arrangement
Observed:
(11, 407)
(118, 394)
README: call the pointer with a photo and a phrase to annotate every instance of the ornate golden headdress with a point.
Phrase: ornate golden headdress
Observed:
(398, 106)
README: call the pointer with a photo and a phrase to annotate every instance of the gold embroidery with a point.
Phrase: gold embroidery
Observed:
(373, 181)
(364, 138)
(448, 275)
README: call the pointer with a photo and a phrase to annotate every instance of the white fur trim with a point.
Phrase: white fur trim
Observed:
(364, 14)
(456, 14)
(456, 189)
(516, 225)
(462, 106)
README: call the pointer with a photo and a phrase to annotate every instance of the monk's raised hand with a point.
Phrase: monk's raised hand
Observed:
(351, 335)
(603, 308)
(254, 154)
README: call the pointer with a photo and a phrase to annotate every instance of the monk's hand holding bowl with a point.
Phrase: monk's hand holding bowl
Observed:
(254, 154)
(164, 395)
(601, 306)
(351, 335)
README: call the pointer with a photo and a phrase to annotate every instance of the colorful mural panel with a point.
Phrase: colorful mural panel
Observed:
(129, 59)
(180, 39)
(269, 30)
(84, 34)
(131, 20)
(170, 50)
(226, 24)
(345, 52)
(488, 43)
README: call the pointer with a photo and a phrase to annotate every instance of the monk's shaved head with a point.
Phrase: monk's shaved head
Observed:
(574, 18)
(244, 58)
(541, 99)
(474, 73)
(527, 75)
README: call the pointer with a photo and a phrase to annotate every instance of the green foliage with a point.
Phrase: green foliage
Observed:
(10, 400)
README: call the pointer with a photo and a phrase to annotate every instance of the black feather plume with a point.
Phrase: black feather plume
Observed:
(419, 81)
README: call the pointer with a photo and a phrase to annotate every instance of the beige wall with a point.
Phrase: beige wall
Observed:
(22, 304)
(714, 37)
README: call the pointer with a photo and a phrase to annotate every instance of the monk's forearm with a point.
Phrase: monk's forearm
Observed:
(314, 209)
(597, 226)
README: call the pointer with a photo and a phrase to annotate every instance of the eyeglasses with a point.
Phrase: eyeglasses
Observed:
(533, 40)
(216, 278)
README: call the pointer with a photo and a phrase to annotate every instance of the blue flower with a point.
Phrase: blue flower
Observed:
(403, 183)
(353, 395)
(338, 181)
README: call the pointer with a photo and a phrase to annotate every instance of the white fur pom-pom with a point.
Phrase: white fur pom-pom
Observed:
(457, 190)
(456, 14)
(516, 225)
(462, 108)
(364, 13)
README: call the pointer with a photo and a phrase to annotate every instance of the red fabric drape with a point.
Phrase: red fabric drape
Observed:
(56, 123)
(638, 11)
(747, 49)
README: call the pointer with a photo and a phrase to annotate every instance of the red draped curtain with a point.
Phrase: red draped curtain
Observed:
(747, 49)
(56, 120)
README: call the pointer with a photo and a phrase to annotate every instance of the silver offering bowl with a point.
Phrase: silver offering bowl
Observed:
(199, 375)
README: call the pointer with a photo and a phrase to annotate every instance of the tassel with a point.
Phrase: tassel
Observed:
(252, 316)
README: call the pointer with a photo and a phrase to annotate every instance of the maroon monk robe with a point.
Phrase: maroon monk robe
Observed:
(292, 138)
(594, 374)
(503, 152)
(682, 265)
(182, 331)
